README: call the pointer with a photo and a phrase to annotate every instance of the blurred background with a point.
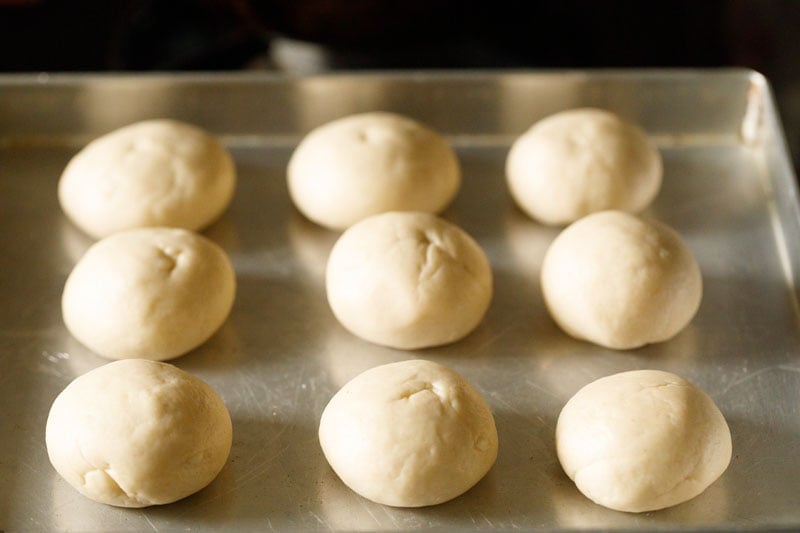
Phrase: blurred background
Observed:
(310, 36)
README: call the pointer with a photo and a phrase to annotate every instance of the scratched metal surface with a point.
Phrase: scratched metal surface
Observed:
(728, 190)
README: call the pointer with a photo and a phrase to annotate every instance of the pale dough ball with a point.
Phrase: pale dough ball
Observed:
(151, 173)
(620, 281)
(581, 161)
(362, 165)
(151, 293)
(642, 440)
(135, 433)
(408, 280)
(409, 434)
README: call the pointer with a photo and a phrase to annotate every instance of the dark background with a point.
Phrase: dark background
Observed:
(321, 35)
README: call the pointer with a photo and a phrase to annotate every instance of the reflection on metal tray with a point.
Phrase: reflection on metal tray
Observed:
(728, 189)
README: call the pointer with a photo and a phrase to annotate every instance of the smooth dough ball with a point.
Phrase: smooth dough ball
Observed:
(642, 440)
(620, 281)
(152, 173)
(135, 433)
(371, 163)
(151, 293)
(408, 280)
(409, 434)
(581, 161)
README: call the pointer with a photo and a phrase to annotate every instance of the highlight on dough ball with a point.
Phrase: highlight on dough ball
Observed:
(582, 161)
(620, 281)
(370, 163)
(642, 440)
(135, 433)
(151, 293)
(151, 173)
(408, 280)
(409, 434)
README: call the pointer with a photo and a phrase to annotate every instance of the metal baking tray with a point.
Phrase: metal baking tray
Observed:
(729, 190)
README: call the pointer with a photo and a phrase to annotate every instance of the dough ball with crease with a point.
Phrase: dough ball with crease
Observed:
(151, 293)
(620, 281)
(582, 161)
(642, 440)
(408, 280)
(409, 434)
(135, 433)
(151, 173)
(370, 163)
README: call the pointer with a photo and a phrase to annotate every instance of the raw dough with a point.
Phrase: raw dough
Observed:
(371, 163)
(409, 434)
(408, 280)
(620, 281)
(642, 440)
(151, 293)
(152, 173)
(135, 433)
(581, 161)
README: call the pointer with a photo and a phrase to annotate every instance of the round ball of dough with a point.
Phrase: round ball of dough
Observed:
(620, 281)
(409, 434)
(581, 161)
(152, 173)
(642, 440)
(371, 163)
(151, 293)
(135, 433)
(408, 280)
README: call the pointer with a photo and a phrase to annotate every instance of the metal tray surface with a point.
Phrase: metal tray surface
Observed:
(728, 189)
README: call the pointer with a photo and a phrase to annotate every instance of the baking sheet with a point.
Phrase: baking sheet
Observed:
(728, 189)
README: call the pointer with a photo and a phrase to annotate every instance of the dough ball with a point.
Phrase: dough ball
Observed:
(581, 161)
(409, 434)
(152, 173)
(151, 293)
(371, 163)
(408, 280)
(620, 281)
(135, 433)
(642, 440)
